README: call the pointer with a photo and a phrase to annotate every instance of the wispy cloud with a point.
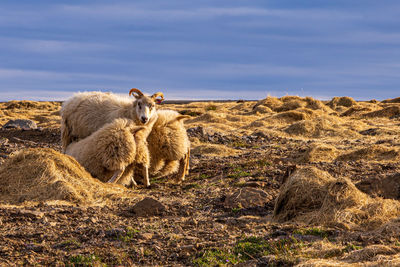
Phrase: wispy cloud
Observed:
(223, 49)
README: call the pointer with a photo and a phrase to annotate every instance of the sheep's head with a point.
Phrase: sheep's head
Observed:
(145, 105)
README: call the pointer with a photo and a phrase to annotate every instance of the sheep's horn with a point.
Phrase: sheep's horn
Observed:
(158, 94)
(135, 90)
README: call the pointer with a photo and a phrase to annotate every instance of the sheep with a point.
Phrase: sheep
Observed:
(169, 145)
(109, 153)
(87, 112)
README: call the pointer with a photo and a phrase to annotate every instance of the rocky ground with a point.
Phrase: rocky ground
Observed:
(223, 213)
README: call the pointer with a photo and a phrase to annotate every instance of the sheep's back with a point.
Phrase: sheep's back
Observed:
(168, 138)
(87, 112)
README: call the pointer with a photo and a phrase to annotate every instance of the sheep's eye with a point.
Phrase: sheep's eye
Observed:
(140, 105)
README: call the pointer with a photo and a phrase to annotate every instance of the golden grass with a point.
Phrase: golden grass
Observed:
(317, 153)
(45, 114)
(47, 175)
(333, 202)
(372, 153)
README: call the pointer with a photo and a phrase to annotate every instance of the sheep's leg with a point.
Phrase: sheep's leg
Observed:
(116, 176)
(145, 173)
(187, 162)
(182, 170)
(133, 182)
(127, 178)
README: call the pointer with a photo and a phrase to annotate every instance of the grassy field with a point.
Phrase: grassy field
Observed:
(280, 181)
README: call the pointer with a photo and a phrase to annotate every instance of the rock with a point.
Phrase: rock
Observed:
(114, 233)
(146, 236)
(34, 247)
(21, 124)
(254, 184)
(3, 141)
(246, 197)
(200, 131)
(148, 207)
(249, 263)
(29, 213)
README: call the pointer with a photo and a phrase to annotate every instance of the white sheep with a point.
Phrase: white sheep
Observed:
(169, 145)
(110, 153)
(85, 113)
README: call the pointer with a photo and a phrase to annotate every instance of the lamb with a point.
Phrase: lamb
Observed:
(85, 113)
(169, 145)
(109, 153)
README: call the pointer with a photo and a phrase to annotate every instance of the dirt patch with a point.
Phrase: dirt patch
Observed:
(386, 187)
(45, 175)
(213, 150)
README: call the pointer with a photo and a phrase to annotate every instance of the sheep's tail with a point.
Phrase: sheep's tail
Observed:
(66, 138)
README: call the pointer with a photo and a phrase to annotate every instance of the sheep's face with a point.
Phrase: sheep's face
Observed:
(145, 109)
(145, 105)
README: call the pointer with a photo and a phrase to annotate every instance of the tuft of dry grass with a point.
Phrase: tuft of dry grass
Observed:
(372, 153)
(333, 202)
(343, 101)
(47, 175)
(317, 153)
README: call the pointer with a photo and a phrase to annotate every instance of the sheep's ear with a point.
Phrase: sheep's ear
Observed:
(182, 117)
(136, 93)
(158, 100)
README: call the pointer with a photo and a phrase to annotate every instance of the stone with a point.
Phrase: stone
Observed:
(20, 124)
(246, 197)
(200, 131)
(146, 236)
(148, 207)
(29, 213)
(114, 233)
(34, 247)
(3, 141)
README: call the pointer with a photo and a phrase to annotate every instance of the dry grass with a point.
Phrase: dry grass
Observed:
(344, 101)
(333, 202)
(213, 150)
(317, 153)
(372, 153)
(47, 175)
(45, 114)
(334, 144)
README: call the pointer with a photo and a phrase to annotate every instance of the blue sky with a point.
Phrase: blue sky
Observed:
(200, 49)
